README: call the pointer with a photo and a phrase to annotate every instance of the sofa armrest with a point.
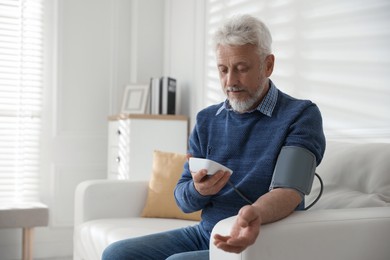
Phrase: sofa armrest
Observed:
(348, 234)
(96, 199)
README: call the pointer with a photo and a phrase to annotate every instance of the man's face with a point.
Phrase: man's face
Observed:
(243, 75)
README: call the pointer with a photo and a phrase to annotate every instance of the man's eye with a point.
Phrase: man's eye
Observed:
(243, 69)
(223, 70)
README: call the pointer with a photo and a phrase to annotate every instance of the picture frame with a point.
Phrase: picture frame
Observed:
(135, 99)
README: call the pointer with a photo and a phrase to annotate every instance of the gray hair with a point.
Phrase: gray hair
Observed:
(244, 29)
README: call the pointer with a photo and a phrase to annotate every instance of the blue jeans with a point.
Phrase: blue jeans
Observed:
(185, 243)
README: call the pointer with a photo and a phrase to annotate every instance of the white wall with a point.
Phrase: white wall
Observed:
(184, 50)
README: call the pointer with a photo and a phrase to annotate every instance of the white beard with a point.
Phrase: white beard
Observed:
(244, 105)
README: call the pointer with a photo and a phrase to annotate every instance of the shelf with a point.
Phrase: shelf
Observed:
(147, 116)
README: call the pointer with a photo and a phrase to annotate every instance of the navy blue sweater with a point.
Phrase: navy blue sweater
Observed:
(249, 144)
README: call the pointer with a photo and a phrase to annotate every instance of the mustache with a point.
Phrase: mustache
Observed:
(234, 88)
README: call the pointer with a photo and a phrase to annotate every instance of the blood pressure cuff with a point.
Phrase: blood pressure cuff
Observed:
(295, 168)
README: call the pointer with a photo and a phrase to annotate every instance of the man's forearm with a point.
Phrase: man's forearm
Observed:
(277, 204)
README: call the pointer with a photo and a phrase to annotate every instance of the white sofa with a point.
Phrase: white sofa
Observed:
(350, 222)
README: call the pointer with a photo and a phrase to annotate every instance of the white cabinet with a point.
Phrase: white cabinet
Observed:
(133, 138)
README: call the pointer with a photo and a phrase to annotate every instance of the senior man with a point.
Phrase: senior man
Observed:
(270, 140)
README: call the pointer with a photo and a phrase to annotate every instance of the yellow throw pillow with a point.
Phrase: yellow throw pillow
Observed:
(166, 172)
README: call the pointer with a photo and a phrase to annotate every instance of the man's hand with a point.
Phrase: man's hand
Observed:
(271, 207)
(209, 185)
(244, 232)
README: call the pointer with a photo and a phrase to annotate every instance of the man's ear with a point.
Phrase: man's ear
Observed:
(269, 65)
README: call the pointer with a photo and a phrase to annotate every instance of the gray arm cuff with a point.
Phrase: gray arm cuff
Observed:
(295, 168)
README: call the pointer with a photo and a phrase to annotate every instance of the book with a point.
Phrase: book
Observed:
(154, 97)
(168, 96)
(162, 98)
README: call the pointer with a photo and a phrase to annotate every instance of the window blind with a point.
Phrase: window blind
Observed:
(334, 52)
(21, 80)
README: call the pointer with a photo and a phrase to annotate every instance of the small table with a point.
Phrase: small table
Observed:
(26, 216)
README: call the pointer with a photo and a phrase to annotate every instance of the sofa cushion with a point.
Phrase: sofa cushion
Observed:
(160, 203)
(92, 237)
(354, 176)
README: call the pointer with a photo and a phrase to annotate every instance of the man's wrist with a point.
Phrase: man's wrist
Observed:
(257, 209)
